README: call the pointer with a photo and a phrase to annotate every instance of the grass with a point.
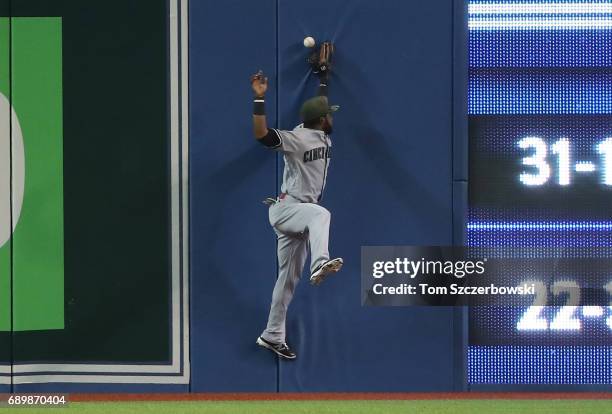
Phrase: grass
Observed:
(335, 407)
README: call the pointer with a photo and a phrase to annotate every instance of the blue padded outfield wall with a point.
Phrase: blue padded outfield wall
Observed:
(391, 181)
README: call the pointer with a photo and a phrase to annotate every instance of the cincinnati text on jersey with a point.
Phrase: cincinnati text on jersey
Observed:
(317, 154)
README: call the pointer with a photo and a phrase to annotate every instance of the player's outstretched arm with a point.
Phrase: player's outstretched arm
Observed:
(259, 83)
(323, 86)
(325, 55)
(264, 135)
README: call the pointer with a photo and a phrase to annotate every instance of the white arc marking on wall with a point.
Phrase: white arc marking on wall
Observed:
(18, 170)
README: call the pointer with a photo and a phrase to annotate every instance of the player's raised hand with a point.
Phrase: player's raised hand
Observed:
(259, 83)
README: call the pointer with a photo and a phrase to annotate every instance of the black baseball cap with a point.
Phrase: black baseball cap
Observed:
(317, 107)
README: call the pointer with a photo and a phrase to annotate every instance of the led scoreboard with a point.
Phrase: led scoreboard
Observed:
(540, 175)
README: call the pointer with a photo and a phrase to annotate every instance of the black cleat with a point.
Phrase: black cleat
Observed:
(282, 350)
(331, 266)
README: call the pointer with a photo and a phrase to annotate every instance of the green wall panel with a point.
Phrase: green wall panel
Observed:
(38, 246)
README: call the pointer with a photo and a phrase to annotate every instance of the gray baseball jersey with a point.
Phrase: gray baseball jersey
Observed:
(307, 154)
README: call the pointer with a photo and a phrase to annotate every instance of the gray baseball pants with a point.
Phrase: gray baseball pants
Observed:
(297, 225)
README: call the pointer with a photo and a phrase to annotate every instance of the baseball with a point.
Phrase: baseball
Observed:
(309, 42)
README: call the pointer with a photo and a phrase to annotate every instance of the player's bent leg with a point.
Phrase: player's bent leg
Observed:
(318, 229)
(313, 220)
(318, 235)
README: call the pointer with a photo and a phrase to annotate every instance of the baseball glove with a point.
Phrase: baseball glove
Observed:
(321, 60)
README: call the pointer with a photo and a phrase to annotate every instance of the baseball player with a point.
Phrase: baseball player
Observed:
(296, 216)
